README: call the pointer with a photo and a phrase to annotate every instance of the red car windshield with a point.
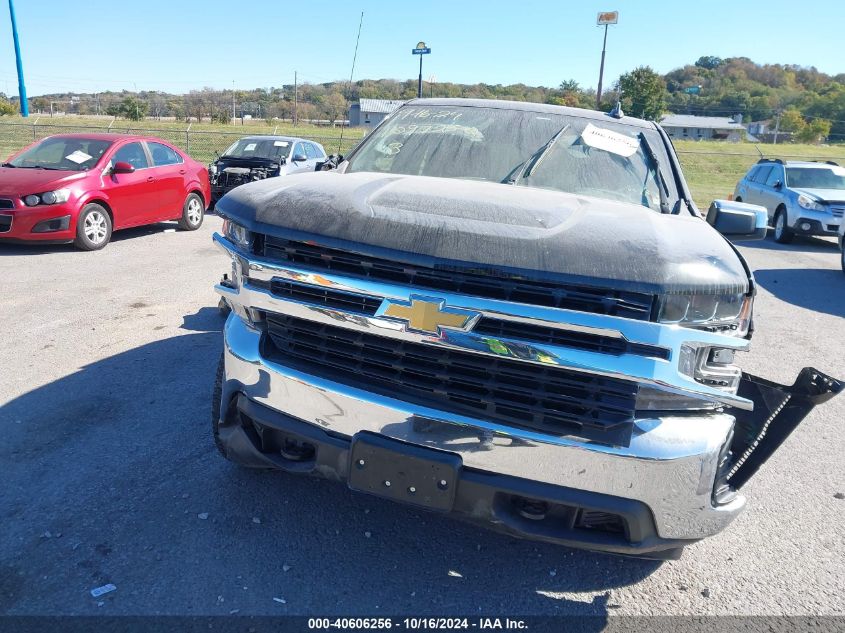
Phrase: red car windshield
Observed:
(63, 154)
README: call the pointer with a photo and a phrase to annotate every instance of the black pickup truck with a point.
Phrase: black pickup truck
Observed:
(507, 311)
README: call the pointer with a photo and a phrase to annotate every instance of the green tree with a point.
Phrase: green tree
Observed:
(792, 121)
(643, 93)
(130, 108)
(814, 132)
(709, 62)
(7, 107)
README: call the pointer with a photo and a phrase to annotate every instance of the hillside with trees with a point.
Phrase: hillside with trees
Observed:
(811, 104)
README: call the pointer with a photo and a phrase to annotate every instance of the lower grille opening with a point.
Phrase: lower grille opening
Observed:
(528, 395)
(543, 517)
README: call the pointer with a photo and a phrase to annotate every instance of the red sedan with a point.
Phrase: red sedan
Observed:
(81, 187)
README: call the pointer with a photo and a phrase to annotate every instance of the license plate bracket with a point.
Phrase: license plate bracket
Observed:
(403, 472)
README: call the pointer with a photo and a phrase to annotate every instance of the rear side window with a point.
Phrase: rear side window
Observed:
(163, 155)
(320, 153)
(133, 154)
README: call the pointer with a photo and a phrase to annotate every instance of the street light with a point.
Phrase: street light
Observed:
(420, 50)
(605, 19)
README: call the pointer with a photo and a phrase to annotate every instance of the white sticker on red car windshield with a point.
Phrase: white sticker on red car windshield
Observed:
(281, 143)
(78, 157)
(250, 147)
(609, 141)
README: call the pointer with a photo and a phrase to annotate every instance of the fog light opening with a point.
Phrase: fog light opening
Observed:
(805, 226)
(297, 451)
(532, 509)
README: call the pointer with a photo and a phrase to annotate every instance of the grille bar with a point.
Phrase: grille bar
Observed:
(318, 295)
(547, 399)
(467, 281)
(5, 203)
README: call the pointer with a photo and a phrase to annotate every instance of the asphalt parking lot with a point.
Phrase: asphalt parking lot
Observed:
(110, 474)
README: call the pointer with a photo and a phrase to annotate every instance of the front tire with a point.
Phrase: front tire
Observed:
(783, 234)
(93, 228)
(842, 255)
(216, 397)
(192, 213)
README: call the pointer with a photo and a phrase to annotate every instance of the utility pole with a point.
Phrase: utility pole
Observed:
(777, 128)
(21, 85)
(233, 101)
(604, 19)
(295, 96)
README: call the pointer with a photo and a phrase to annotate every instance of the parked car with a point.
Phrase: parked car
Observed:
(801, 197)
(82, 187)
(509, 311)
(258, 157)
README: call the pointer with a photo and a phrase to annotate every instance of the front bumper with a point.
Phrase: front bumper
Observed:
(820, 222)
(55, 222)
(669, 467)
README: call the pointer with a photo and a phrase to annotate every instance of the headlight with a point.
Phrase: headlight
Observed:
(48, 197)
(717, 312)
(806, 202)
(237, 233)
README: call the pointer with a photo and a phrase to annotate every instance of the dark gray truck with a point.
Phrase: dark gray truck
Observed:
(507, 311)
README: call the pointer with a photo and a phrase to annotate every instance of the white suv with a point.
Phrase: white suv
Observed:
(804, 198)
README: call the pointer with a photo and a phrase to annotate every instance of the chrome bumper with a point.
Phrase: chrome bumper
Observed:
(670, 464)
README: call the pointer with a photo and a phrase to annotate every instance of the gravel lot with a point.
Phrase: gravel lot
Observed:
(110, 474)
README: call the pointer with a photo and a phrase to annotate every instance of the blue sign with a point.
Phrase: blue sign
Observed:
(421, 51)
(693, 90)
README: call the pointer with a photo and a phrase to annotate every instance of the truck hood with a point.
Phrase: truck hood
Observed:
(17, 181)
(825, 195)
(533, 232)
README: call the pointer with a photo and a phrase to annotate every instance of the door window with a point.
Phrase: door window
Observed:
(133, 154)
(298, 150)
(776, 175)
(163, 155)
(310, 151)
(761, 175)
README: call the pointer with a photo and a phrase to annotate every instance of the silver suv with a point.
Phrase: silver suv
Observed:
(804, 198)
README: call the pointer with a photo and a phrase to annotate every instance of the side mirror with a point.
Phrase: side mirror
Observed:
(298, 158)
(778, 185)
(122, 167)
(738, 220)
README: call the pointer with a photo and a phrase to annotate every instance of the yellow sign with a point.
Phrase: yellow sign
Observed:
(427, 316)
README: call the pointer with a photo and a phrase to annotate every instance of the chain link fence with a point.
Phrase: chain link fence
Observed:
(199, 144)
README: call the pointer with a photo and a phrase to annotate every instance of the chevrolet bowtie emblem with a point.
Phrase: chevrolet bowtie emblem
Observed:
(426, 314)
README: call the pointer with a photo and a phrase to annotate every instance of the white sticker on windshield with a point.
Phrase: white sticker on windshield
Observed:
(78, 157)
(281, 143)
(609, 141)
(250, 147)
(839, 171)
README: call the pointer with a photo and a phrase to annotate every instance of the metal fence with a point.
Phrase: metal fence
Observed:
(200, 144)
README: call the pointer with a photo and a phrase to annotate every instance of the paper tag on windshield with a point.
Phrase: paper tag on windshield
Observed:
(609, 141)
(78, 157)
(281, 143)
(839, 171)
(250, 147)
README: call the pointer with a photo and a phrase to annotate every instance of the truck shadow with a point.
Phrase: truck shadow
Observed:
(118, 457)
(819, 290)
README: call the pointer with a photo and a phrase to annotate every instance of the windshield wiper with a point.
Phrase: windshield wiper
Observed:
(531, 163)
(7, 165)
(662, 187)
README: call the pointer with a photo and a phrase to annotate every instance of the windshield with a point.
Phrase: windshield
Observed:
(270, 149)
(525, 149)
(62, 153)
(815, 177)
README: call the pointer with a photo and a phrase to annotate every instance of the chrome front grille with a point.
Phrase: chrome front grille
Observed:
(837, 212)
(542, 398)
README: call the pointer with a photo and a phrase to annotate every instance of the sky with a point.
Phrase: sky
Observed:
(180, 45)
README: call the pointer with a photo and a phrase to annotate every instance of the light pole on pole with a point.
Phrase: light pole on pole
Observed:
(606, 18)
(420, 50)
(21, 85)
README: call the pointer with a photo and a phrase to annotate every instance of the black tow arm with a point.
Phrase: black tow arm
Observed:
(778, 410)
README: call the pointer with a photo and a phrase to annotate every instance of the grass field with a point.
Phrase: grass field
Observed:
(712, 168)
(201, 140)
